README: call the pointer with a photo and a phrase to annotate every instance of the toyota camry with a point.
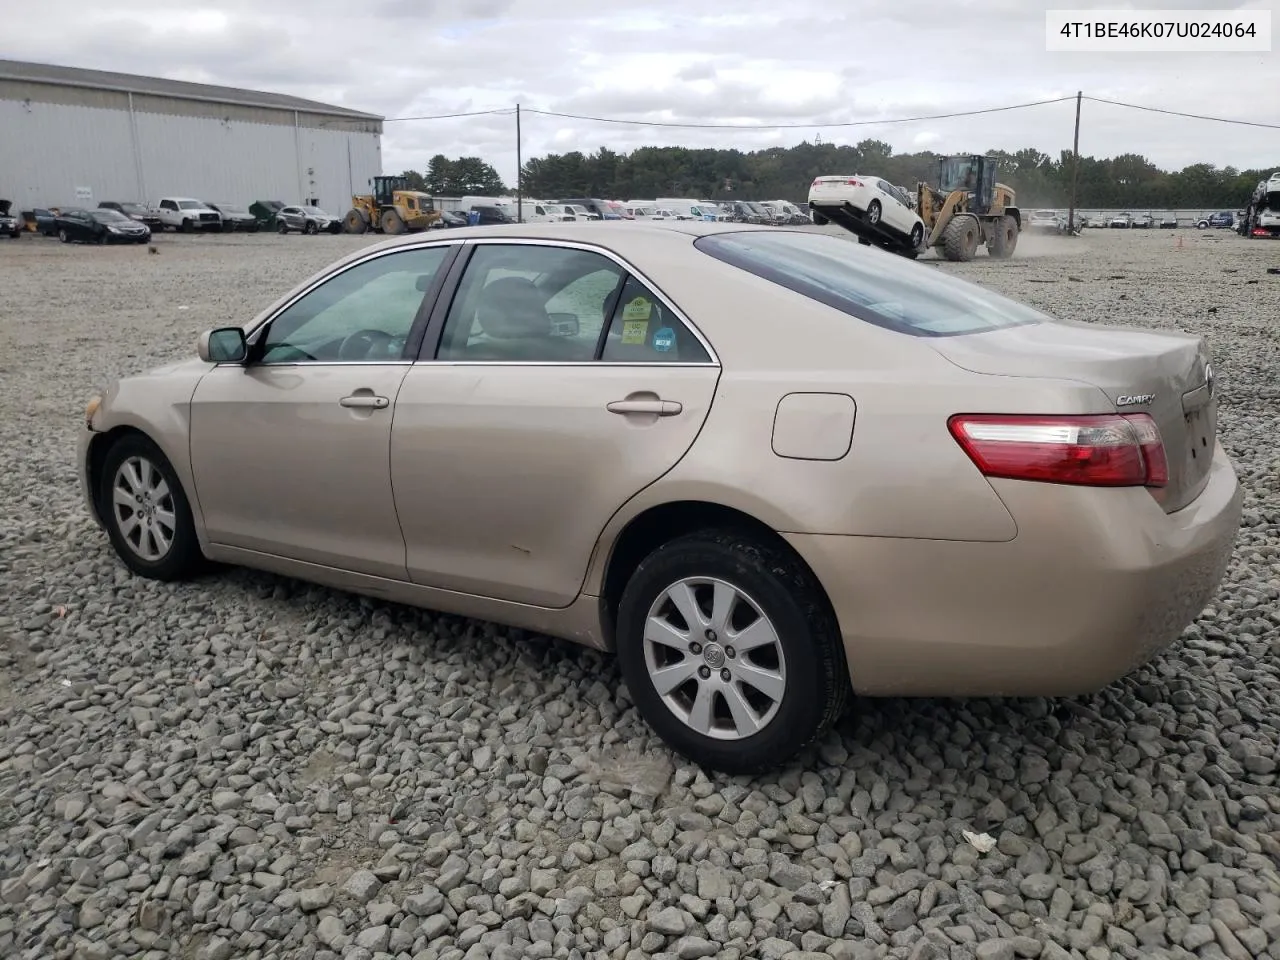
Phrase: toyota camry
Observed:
(769, 467)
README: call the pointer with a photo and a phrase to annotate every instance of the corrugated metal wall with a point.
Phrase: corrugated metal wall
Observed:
(47, 151)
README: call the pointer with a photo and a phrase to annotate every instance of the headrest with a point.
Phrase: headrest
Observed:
(512, 308)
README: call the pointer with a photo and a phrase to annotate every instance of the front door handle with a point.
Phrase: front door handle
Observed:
(364, 400)
(661, 408)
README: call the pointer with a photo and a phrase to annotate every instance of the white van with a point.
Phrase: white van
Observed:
(683, 209)
(506, 204)
(540, 211)
(643, 209)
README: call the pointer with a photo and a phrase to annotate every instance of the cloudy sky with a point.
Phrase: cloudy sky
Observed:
(817, 63)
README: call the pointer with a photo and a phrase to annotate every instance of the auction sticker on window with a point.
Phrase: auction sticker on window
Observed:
(638, 309)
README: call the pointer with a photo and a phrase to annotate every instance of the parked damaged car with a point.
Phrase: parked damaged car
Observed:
(307, 219)
(235, 217)
(77, 225)
(264, 211)
(9, 224)
(138, 212)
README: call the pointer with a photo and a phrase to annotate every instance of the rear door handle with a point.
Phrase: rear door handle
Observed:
(364, 400)
(662, 408)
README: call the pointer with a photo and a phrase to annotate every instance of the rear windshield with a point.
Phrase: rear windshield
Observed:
(878, 287)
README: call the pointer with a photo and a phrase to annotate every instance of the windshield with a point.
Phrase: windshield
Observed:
(133, 208)
(882, 290)
(110, 216)
(231, 208)
(190, 205)
(314, 211)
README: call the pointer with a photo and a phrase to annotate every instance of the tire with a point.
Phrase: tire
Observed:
(186, 226)
(136, 454)
(391, 222)
(64, 236)
(960, 239)
(917, 239)
(1004, 238)
(355, 222)
(767, 580)
(1202, 225)
(874, 212)
(311, 229)
(818, 219)
(281, 227)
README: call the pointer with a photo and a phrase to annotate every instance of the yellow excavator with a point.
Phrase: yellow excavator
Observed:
(969, 209)
(391, 208)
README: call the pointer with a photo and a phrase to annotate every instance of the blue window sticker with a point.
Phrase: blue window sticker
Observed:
(664, 339)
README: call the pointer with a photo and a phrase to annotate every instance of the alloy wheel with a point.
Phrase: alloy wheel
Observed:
(714, 658)
(143, 509)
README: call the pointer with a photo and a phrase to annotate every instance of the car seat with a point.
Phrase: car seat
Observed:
(512, 315)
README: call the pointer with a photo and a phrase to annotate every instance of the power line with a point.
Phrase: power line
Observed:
(1178, 113)
(791, 126)
(452, 116)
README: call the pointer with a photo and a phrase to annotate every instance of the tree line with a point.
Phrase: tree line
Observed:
(1129, 181)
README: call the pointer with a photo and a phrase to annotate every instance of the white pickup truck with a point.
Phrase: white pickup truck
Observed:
(186, 214)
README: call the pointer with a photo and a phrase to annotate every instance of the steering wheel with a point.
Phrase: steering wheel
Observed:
(359, 345)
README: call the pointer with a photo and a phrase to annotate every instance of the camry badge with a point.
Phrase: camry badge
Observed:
(1133, 400)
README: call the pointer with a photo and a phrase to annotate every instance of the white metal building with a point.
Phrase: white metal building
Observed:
(72, 137)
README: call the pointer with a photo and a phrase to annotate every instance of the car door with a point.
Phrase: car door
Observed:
(561, 385)
(289, 450)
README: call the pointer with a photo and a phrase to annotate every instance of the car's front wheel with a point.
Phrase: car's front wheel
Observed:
(146, 513)
(873, 212)
(63, 235)
(730, 651)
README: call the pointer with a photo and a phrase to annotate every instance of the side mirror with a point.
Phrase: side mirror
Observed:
(224, 345)
(564, 325)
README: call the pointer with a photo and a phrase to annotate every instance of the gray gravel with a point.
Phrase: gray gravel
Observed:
(251, 767)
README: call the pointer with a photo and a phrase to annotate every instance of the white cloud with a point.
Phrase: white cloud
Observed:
(810, 63)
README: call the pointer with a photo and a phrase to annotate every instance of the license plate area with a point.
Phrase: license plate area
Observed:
(1200, 426)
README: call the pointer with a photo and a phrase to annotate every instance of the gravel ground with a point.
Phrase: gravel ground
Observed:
(251, 767)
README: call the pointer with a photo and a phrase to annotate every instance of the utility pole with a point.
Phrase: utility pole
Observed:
(520, 170)
(1075, 167)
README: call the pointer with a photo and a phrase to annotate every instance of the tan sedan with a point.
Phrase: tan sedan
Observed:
(768, 467)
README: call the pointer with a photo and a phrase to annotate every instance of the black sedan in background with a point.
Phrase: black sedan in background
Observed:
(235, 217)
(99, 226)
(138, 212)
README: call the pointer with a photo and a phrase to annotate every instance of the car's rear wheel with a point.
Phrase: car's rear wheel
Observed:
(874, 210)
(146, 513)
(63, 235)
(730, 651)
(818, 219)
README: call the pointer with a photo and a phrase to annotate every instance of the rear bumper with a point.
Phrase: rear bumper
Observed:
(1095, 584)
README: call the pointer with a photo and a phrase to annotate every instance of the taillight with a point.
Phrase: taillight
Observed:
(1104, 450)
(853, 183)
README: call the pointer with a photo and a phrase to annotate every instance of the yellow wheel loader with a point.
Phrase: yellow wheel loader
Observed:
(391, 208)
(969, 209)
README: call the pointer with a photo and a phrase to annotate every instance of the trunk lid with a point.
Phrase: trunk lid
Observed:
(1166, 374)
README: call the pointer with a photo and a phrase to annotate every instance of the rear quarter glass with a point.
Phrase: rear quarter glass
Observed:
(872, 286)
